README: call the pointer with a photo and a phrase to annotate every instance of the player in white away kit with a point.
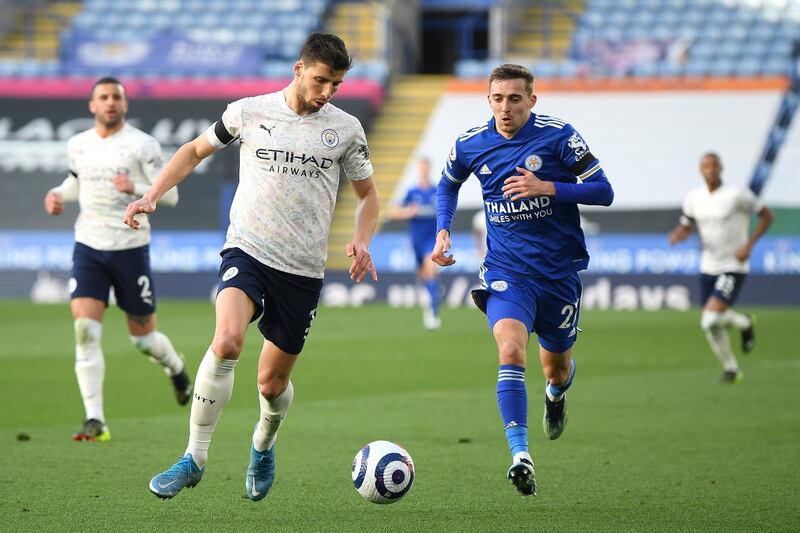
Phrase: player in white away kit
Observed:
(109, 165)
(721, 215)
(292, 145)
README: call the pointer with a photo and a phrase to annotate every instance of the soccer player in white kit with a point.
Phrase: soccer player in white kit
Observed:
(721, 216)
(110, 164)
(292, 144)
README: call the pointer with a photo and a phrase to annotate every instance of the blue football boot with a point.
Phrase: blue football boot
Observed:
(260, 473)
(184, 473)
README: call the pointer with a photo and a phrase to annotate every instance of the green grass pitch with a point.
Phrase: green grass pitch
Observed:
(653, 442)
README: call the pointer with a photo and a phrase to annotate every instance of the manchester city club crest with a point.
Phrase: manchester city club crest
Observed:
(330, 138)
(533, 162)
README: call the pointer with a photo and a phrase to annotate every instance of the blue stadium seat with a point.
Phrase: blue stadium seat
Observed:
(473, 68)
(697, 67)
(619, 18)
(738, 32)
(670, 18)
(775, 66)
(763, 31)
(729, 50)
(745, 15)
(694, 16)
(670, 70)
(568, 69)
(544, 69)
(748, 67)
(646, 70)
(719, 16)
(723, 67)
(703, 50)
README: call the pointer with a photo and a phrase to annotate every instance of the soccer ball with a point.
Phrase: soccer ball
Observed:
(383, 472)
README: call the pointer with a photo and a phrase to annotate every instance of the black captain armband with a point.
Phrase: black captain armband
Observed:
(222, 134)
(585, 162)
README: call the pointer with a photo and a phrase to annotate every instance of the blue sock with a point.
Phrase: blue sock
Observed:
(512, 398)
(433, 289)
(555, 392)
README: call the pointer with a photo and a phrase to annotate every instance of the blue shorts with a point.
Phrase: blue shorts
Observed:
(94, 272)
(286, 303)
(423, 248)
(549, 308)
(725, 286)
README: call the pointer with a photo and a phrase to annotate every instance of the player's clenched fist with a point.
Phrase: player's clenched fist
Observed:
(142, 205)
(54, 203)
(443, 244)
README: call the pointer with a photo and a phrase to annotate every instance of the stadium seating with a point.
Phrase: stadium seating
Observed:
(275, 29)
(670, 38)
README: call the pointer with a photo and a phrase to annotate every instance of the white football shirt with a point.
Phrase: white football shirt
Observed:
(722, 219)
(95, 161)
(288, 178)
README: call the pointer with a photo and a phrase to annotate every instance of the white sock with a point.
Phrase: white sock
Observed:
(90, 366)
(212, 390)
(158, 347)
(737, 320)
(721, 346)
(272, 415)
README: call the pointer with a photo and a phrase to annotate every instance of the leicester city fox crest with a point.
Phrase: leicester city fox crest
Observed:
(578, 145)
(533, 162)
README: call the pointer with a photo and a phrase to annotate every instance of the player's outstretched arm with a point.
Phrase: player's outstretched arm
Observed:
(366, 222)
(179, 166)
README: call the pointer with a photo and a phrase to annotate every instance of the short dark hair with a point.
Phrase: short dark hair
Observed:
(106, 79)
(326, 48)
(715, 155)
(509, 71)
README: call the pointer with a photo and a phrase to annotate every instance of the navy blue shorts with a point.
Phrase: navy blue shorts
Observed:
(423, 248)
(725, 286)
(286, 303)
(94, 272)
(549, 308)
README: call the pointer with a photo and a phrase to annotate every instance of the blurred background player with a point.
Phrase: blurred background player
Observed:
(721, 216)
(419, 208)
(110, 165)
(479, 233)
(534, 170)
(292, 145)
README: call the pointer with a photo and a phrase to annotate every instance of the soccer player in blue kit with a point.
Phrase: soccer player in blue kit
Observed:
(534, 171)
(419, 208)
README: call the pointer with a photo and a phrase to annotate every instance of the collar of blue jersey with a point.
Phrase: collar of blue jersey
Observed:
(528, 124)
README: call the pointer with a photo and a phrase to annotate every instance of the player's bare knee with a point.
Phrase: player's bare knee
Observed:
(556, 374)
(511, 352)
(272, 386)
(228, 345)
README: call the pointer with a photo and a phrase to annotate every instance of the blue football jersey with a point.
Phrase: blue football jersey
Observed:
(422, 226)
(532, 236)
